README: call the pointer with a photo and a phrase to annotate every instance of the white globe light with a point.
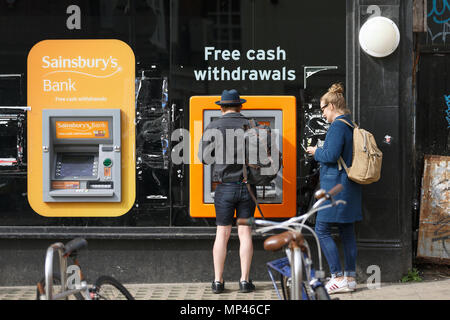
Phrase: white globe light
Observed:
(379, 37)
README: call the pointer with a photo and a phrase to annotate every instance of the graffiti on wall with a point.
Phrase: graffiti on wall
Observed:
(438, 20)
(434, 225)
(447, 102)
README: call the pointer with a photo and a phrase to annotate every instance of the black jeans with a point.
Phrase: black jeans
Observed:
(231, 197)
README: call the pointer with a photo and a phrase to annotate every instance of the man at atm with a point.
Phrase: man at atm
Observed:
(231, 194)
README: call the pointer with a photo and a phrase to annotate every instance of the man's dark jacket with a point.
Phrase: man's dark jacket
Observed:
(223, 172)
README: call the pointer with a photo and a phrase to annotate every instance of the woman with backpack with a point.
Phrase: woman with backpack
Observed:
(338, 143)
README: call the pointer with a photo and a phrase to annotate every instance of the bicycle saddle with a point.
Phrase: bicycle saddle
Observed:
(278, 241)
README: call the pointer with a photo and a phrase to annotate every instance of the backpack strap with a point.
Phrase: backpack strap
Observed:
(252, 195)
(356, 126)
(346, 122)
(252, 123)
(341, 162)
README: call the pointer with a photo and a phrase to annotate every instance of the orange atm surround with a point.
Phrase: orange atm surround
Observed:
(287, 105)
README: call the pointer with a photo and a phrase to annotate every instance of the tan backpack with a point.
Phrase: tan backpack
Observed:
(367, 158)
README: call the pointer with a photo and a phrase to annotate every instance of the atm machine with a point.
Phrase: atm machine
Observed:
(278, 199)
(265, 194)
(81, 155)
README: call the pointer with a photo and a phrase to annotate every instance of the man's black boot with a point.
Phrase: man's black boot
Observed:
(217, 286)
(246, 286)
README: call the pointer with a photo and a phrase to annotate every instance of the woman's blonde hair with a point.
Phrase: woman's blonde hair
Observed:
(335, 96)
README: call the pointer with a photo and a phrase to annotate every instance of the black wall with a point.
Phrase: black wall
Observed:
(380, 93)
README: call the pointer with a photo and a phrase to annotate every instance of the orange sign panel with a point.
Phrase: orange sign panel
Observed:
(287, 104)
(81, 74)
(82, 129)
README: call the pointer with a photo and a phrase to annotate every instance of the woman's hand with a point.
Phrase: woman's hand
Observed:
(311, 150)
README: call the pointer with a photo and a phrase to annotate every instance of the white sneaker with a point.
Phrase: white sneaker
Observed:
(336, 286)
(351, 285)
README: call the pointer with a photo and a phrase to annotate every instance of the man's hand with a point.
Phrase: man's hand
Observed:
(311, 150)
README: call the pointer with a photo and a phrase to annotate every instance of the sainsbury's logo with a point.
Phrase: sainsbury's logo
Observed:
(81, 125)
(79, 63)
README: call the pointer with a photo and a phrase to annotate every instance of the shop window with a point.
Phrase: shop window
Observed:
(172, 35)
(226, 18)
(159, 36)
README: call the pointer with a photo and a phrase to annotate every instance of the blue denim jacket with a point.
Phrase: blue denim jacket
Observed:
(339, 142)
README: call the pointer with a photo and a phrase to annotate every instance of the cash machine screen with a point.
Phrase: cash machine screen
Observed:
(267, 121)
(265, 194)
(70, 165)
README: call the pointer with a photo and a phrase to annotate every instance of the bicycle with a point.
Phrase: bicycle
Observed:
(105, 287)
(297, 250)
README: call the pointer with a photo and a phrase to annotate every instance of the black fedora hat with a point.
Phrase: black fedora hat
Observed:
(230, 98)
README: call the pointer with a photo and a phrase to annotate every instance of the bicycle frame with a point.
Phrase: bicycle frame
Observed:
(293, 251)
(296, 272)
(293, 225)
(65, 292)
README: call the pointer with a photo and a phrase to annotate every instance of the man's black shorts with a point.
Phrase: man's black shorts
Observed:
(231, 197)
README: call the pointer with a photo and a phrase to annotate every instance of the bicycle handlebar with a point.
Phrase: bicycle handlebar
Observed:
(74, 245)
(335, 190)
(296, 224)
(321, 195)
(332, 192)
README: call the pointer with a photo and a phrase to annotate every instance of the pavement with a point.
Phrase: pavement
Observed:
(425, 290)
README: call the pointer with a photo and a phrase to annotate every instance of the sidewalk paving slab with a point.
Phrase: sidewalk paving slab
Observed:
(426, 290)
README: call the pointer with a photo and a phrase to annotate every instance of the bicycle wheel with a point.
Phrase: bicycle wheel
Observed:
(108, 288)
(308, 291)
(286, 287)
(56, 288)
(321, 293)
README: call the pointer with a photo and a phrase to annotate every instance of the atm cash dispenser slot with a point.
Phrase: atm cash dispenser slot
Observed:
(81, 155)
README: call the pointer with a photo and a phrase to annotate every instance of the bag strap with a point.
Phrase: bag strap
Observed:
(245, 173)
(346, 122)
(341, 163)
(363, 134)
(252, 195)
